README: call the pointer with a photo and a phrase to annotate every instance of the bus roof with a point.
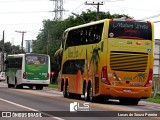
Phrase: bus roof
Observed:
(102, 21)
(23, 54)
(86, 24)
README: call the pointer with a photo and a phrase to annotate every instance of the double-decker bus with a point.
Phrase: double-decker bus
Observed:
(108, 59)
(31, 70)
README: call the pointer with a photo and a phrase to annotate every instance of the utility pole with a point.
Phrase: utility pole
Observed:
(2, 56)
(22, 32)
(48, 42)
(98, 4)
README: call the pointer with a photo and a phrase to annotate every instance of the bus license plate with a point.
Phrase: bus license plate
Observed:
(127, 91)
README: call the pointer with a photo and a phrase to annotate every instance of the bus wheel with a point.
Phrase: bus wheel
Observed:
(90, 95)
(9, 85)
(68, 94)
(64, 91)
(86, 98)
(15, 85)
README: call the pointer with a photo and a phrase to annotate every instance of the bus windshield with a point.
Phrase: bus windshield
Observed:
(36, 60)
(130, 30)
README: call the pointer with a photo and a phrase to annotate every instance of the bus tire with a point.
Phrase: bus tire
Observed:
(9, 85)
(68, 94)
(86, 97)
(15, 84)
(64, 91)
(90, 94)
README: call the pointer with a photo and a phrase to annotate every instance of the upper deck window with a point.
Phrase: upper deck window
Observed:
(85, 35)
(130, 30)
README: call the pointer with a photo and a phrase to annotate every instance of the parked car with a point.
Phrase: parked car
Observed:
(2, 76)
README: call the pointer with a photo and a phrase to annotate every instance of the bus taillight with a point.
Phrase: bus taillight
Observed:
(105, 76)
(149, 81)
(48, 76)
(24, 75)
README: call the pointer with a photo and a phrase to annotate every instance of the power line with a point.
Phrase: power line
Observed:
(24, 12)
(20, 23)
(154, 16)
(9, 1)
(135, 8)
(98, 4)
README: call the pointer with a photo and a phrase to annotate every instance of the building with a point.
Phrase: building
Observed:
(156, 71)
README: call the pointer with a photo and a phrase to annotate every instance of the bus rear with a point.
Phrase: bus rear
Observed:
(128, 68)
(36, 70)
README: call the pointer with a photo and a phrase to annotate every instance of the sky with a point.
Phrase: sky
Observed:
(27, 15)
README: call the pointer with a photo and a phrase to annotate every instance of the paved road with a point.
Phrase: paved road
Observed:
(52, 104)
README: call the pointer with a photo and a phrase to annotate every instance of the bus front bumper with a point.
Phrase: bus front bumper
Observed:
(45, 82)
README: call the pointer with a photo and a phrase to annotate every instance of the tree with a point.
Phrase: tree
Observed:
(9, 49)
(51, 33)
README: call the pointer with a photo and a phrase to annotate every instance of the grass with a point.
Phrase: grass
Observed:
(153, 99)
(53, 86)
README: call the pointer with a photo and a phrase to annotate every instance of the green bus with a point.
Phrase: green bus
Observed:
(32, 70)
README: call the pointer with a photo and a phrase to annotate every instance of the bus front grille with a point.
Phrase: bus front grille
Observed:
(128, 61)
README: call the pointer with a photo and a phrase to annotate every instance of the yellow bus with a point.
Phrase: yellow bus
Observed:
(108, 59)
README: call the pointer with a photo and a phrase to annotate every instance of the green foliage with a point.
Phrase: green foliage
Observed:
(153, 99)
(52, 31)
(9, 49)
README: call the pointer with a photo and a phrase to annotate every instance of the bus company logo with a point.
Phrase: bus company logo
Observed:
(74, 107)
